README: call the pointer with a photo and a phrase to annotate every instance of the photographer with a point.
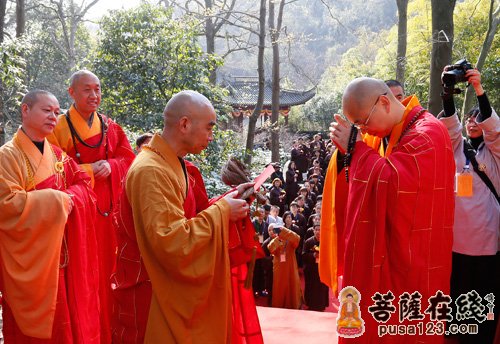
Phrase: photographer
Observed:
(475, 261)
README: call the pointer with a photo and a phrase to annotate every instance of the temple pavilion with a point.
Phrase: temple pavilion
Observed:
(243, 93)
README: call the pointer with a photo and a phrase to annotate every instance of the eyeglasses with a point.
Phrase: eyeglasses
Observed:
(471, 119)
(365, 124)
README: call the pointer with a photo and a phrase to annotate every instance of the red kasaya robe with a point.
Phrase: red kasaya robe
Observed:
(399, 220)
(132, 286)
(116, 149)
(49, 275)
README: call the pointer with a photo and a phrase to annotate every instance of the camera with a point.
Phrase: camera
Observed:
(454, 75)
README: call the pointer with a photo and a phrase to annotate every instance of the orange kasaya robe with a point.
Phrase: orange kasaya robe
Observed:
(187, 258)
(397, 233)
(116, 149)
(286, 282)
(49, 277)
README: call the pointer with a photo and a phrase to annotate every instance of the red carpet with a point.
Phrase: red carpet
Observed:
(286, 326)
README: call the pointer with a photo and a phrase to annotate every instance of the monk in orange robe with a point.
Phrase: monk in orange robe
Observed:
(132, 286)
(399, 213)
(101, 148)
(187, 259)
(47, 238)
(286, 282)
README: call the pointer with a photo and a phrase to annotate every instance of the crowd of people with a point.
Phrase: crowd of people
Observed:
(99, 245)
(293, 209)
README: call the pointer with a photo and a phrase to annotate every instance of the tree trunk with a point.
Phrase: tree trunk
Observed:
(493, 22)
(275, 105)
(3, 7)
(20, 17)
(252, 121)
(442, 43)
(210, 38)
(402, 38)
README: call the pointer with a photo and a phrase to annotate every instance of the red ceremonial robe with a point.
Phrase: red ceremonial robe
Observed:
(399, 220)
(47, 301)
(132, 286)
(116, 149)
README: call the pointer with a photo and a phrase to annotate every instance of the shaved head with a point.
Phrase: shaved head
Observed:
(185, 103)
(369, 103)
(32, 97)
(76, 76)
(361, 94)
(189, 121)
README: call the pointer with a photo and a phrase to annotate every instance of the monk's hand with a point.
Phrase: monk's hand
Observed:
(339, 132)
(239, 207)
(101, 168)
(245, 190)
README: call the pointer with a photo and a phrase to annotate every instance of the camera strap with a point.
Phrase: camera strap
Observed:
(470, 154)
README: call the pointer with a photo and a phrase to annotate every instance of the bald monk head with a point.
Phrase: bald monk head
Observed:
(369, 104)
(85, 89)
(39, 111)
(189, 119)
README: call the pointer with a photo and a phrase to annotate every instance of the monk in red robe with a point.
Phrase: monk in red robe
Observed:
(399, 213)
(101, 148)
(47, 239)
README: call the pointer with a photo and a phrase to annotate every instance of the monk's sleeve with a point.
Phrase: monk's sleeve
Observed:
(31, 231)
(185, 248)
(275, 245)
(22, 209)
(123, 155)
(491, 134)
(292, 237)
(61, 137)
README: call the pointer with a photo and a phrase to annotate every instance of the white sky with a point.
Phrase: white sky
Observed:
(103, 6)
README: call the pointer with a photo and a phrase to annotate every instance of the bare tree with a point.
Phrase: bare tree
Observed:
(402, 39)
(493, 22)
(442, 43)
(20, 17)
(3, 8)
(260, 70)
(69, 15)
(216, 15)
(274, 31)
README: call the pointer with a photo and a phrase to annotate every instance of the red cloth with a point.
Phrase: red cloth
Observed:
(117, 151)
(77, 311)
(398, 225)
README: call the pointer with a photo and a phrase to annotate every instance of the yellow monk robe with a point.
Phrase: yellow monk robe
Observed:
(107, 141)
(286, 282)
(43, 299)
(187, 259)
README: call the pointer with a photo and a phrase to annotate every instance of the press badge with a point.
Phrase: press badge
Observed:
(282, 258)
(463, 182)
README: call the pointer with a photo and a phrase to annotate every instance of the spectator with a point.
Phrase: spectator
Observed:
(315, 293)
(477, 211)
(286, 283)
(291, 184)
(277, 195)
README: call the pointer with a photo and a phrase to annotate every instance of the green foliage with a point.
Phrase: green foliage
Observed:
(144, 57)
(226, 144)
(316, 114)
(48, 66)
(12, 72)
(375, 54)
